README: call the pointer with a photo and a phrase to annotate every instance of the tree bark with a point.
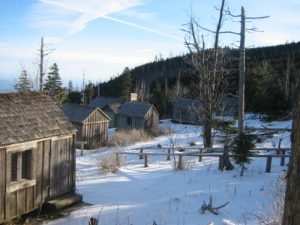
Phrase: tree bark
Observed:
(242, 74)
(41, 66)
(291, 215)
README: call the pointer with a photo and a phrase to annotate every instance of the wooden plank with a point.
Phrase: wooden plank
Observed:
(53, 169)
(16, 186)
(11, 203)
(21, 201)
(38, 161)
(2, 183)
(46, 170)
(29, 198)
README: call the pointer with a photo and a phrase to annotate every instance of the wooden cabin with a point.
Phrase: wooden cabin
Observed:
(137, 115)
(109, 106)
(184, 111)
(91, 123)
(37, 153)
(229, 106)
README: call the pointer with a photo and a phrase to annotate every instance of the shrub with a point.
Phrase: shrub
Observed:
(192, 143)
(110, 164)
(124, 137)
(163, 131)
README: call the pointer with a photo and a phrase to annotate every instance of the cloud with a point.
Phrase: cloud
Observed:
(86, 12)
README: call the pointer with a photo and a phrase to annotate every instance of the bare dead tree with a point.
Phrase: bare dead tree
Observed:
(210, 74)
(143, 91)
(242, 61)
(42, 52)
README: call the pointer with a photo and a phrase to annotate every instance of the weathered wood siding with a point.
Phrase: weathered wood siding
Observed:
(149, 122)
(152, 119)
(111, 115)
(94, 130)
(184, 116)
(2, 184)
(52, 175)
(137, 122)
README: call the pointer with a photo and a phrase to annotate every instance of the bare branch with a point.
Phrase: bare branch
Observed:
(257, 18)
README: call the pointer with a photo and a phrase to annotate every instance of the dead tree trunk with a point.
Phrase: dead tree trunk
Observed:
(291, 215)
(227, 163)
(41, 65)
(242, 69)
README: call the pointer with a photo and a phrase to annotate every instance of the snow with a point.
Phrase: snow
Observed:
(137, 195)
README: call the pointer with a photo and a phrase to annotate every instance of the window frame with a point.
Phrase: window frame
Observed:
(17, 173)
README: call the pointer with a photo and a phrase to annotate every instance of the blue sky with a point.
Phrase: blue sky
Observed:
(101, 37)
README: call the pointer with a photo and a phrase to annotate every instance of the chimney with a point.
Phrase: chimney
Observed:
(133, 97)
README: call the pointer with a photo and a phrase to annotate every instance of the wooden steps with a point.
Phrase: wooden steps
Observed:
(62, 202)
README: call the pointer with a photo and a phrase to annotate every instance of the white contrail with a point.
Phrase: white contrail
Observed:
(88, 16)
(142, 27)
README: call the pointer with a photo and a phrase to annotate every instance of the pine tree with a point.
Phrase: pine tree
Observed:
(242, 146)
(127, 84)
(24, 84)
(53, 84)
(89, 92)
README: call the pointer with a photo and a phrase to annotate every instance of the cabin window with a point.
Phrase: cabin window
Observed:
(129, 120)
(14, 167)
(21, 166)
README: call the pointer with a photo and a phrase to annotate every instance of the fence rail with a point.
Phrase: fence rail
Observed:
(201, 154)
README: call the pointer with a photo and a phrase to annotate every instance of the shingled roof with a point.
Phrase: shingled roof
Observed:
(79, 113)
(134, 109)
(186, 104)
(30, 116)
(101, 101)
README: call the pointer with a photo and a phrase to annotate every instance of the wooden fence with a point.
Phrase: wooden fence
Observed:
(201, 154)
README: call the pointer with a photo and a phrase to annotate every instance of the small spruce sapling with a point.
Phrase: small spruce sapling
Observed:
(242, 146)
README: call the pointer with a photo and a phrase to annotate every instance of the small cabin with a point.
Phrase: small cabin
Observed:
(137, 115)
(37, 153)
(184, 111)
(109, 106)
(91, 123)
(229, 106)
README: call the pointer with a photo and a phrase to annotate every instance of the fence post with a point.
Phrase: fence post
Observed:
(180, 162)
(169, 154)
(282, 161)
(221, 162)
(141, 153)
(269, 164)
(200, 156)
(145, 160)
(81, 148)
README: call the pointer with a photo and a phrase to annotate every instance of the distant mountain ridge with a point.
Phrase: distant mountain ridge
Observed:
(267, 69)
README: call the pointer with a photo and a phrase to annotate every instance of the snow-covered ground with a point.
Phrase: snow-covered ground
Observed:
(137, 195)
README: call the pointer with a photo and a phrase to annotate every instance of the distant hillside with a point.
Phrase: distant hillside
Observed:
(271, 73)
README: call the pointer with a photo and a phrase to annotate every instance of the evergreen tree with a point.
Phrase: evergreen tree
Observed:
(127, 84)
(242, 146)
(89, 92)
(74, 97)
(24, 84)
(157, 97)
(53, 84)
(70, 86)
